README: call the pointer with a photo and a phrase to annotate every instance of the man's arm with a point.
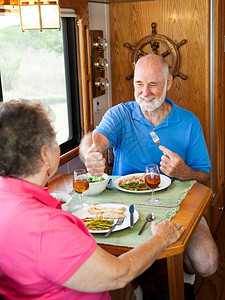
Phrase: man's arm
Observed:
(199, 176)
(84, 146)
(92, 148)
(174, 166)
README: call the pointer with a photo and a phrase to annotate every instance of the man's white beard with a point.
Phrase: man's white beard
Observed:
(158, 101)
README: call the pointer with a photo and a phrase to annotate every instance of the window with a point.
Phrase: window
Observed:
(43, 66)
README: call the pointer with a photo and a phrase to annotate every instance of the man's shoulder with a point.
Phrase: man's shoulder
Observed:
(128, 104)
(124, 107)
(182, 111)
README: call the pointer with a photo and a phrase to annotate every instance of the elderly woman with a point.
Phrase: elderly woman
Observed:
(46, 252)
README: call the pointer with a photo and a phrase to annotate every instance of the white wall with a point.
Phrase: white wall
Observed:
(99, 20)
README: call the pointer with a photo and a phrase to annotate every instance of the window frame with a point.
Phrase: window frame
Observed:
(72, 83)
(71, 56)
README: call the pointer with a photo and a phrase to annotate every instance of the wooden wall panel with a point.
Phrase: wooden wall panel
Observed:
(178, 20)
(219, 93)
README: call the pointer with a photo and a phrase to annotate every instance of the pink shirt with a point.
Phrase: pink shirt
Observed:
(41, 246)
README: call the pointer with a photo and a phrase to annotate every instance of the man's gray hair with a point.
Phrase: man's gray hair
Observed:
(154, 59)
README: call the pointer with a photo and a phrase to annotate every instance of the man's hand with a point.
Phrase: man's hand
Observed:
(94, 160)
(173, 165)
(169, 231)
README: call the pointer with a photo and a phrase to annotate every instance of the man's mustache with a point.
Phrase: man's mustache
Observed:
(149, 98)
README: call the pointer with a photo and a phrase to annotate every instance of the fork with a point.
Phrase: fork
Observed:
(149, 218)
(118, 222)
(156, 140)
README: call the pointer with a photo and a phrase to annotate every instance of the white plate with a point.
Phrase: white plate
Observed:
(165, 182)
(61, 196)
(83, 213)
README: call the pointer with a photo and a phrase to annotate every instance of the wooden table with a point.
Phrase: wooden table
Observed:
(189, 215)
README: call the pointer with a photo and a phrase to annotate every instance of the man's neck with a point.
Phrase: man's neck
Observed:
(158, 115)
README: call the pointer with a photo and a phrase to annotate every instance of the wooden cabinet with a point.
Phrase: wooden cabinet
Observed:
(217, 208)
(218, 116)
(218, 135)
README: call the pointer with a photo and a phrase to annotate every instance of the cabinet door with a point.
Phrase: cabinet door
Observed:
(219, 95)
(217, 208)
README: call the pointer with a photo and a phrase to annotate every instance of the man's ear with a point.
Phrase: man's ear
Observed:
(44, 154)
(169, 81)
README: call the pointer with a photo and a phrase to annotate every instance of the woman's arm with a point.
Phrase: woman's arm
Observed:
(103, 271)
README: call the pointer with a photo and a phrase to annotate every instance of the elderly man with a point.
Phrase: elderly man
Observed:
(182, 155)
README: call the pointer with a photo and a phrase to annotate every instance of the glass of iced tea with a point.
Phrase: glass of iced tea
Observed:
(80, 186)
(152, 180)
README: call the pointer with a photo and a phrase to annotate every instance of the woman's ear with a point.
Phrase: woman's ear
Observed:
(45, 154)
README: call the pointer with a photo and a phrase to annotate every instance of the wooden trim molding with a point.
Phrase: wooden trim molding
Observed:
(65, 158)
(81, 8)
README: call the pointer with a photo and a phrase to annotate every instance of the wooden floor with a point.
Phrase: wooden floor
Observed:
(213, 287)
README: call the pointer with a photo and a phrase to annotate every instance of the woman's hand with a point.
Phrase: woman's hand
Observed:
(170, 231)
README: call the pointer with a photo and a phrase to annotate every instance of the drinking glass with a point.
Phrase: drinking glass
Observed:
(152, 180)
(80, 186)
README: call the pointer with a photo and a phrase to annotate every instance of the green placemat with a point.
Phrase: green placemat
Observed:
(129, 237)
(166, 210)
(171, 196)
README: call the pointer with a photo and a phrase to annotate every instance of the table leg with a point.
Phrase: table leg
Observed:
(175, 277)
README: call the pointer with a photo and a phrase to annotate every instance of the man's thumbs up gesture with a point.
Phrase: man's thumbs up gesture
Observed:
(94, 160)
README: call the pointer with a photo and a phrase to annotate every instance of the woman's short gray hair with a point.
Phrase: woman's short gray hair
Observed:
(25, 126)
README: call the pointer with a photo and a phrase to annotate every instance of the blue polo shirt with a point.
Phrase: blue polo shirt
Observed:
(128, 132)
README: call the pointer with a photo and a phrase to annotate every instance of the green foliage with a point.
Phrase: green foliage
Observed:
(16, 47)
(9, 71)
(32, 67)
(47, 39)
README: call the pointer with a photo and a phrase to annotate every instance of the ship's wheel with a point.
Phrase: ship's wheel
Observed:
(156, 42)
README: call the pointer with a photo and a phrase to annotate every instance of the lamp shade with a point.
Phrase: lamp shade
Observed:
(50, 16)
(39, 15)
(30, 18)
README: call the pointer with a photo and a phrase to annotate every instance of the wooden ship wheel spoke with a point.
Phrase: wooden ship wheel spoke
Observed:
(154, 40)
